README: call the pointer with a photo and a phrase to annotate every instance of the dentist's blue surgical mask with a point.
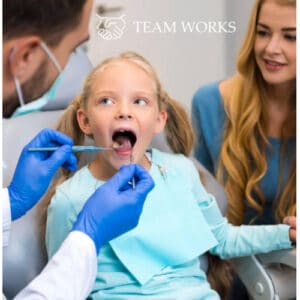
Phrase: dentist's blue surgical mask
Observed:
(48, 96)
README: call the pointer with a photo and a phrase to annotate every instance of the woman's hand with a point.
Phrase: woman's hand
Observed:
(292, 221)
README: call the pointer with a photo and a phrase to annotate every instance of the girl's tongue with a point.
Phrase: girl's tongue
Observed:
(123, 142)
(122, 145)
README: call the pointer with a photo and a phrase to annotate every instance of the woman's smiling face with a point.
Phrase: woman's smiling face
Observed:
(275, 42)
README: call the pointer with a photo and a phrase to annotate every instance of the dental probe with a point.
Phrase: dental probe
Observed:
(83, 149)
(133, 179)
(74, 149)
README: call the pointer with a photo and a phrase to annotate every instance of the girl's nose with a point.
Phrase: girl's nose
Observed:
(123, 112)
(124, 116)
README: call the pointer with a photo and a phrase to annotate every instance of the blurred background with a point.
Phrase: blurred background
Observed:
(154, 28)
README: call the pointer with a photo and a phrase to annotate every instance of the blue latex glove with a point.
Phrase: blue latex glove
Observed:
(35, 170)
(115, 207)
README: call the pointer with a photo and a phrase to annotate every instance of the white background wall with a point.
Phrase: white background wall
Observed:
(238, 10)
(184, 61)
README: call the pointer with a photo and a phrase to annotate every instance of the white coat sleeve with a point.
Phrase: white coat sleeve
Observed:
(6, 216)
(70, 274)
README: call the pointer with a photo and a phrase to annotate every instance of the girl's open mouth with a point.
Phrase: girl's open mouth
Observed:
(124, 141)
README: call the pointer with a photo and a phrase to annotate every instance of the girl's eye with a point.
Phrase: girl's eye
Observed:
(106, 101)
(140, 101)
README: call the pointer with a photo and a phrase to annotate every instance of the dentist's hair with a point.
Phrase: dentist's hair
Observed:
(242, 162)
(49, 19)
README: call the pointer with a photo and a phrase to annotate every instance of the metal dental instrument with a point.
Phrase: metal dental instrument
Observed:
(133, 179)
(83, 149)
(74, 149)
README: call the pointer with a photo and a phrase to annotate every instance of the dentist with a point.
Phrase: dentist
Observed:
(38, 37)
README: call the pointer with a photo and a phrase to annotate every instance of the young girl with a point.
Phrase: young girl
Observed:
(124, 105)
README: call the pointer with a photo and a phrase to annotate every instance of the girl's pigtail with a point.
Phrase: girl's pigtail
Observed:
(68, 122)
(179, 132)
(68, 125)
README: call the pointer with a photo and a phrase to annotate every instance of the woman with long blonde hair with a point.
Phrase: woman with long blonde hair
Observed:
(246, 125)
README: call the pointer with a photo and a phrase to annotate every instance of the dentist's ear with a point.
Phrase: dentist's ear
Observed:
(83, 122)
(23, 56)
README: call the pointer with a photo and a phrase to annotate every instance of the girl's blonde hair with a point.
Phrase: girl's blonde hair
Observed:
(242, 162)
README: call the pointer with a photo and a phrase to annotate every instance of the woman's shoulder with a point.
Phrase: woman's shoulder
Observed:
(208, 111)
(212, 95)
(208, 90)
(208, 95)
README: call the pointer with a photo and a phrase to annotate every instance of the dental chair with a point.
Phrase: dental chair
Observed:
(268, 276)
(25, 257)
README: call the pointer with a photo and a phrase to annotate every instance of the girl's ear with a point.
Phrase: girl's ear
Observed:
(161, 121)
(83, 122)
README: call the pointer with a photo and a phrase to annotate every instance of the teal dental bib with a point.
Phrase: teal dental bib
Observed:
(172, 229)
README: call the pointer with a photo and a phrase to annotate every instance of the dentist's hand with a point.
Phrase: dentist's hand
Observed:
(115, 207)
(35, 170)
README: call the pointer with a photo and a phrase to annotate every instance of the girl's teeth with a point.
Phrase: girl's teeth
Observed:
(125, 144)
(116, 145)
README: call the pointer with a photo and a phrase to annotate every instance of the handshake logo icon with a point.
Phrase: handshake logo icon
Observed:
(111, 28)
